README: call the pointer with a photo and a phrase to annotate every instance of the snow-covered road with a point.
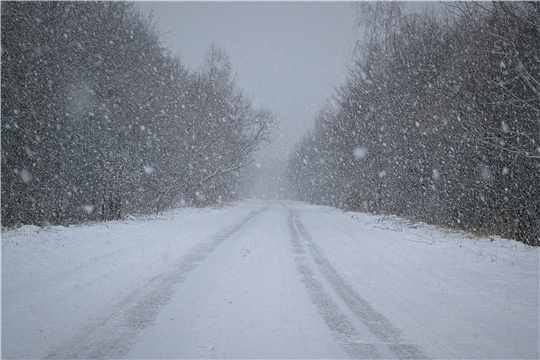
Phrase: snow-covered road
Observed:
(266, 280)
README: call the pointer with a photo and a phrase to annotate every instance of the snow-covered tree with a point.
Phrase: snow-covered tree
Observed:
(99, 120)
(437, 121)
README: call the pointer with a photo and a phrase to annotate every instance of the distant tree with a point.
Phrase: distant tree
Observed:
(226, 130)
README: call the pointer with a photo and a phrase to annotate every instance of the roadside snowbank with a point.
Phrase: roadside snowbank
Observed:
(56, 279)
(458, 295)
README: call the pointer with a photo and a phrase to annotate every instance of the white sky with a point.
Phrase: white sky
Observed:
(288, 56)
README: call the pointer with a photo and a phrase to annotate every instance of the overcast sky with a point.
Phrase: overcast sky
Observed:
(288, 56)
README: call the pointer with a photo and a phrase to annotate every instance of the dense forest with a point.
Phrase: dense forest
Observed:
(99, 120)
(439, 121)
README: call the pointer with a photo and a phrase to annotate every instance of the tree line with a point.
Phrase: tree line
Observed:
(99, 120)
(438, 121)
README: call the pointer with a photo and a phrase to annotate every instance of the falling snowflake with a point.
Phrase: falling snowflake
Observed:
(88, 208)
(485, 172)
(26, 176)
(360, 152)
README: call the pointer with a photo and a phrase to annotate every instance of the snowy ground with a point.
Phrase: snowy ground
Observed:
(266, 280)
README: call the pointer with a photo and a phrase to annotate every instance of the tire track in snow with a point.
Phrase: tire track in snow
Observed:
(114, 336)
(342, 329)
(377, 324)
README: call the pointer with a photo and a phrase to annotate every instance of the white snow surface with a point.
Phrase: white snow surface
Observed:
(266, 279)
